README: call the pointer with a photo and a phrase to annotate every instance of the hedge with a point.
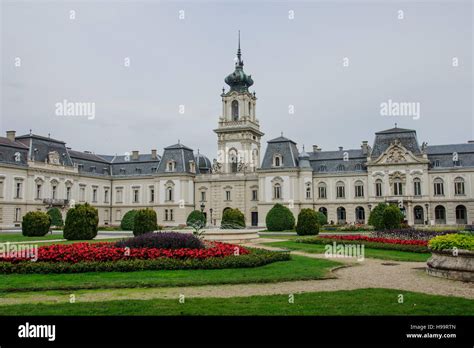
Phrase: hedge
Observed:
(233, 219)
(56, 217)
(280, 218)
(81, 223)
(370, 245)
(145, 221)
(256, 258)
(35, 224)
(307, 223)
(128, 220)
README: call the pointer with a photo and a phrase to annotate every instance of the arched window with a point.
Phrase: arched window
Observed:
(438, 187)
(417, 187)
(277, 160)
(308, 190)
(340, 190)
(419, 215)
(233, 159)
(440, 215)
(459, 186)
(324, 211)
(322, 192)
(359, 189)
(461, 215)
(378, 188)
(341, 215)
(235, 110)
(360, 215)
(169, 194)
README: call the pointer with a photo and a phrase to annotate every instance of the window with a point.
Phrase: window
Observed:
(152, 194)
(277, 160)
(340, 190)
(118, 215)
(359, 189)
(18, 189)
(308, 191)
(459, 187)
(106, 215)
(1, 188)
(461, 215)
(340, 168)
(277, 191)
(82, 193)
(166, 214)
(254, 195)
(203, 196)
(119, 195)
(136, 195)
(323, 168)
(378, 188)
(169, 193)
(68, 193)
(358, 166)
(94, 194)
(235, 110)
(438, 187)
(171, 214)
(17, 214)
(417, 187)
(1, 214)
(106, 195)
(171, 166)
(227, 195)
(322, 190)
(440, 215)
(54, 190)
(38, 191)
(397, 188)
(436, 163)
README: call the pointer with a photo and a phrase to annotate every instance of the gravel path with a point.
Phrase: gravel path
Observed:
(370, 273)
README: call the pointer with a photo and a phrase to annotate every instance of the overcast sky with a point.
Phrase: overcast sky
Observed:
(177, 62)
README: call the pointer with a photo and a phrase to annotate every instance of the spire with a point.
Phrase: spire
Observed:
(238, 80)
(239, 53)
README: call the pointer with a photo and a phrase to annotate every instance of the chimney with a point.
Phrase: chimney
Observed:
(153, 154)
(470, 141)
(135, 155)
(11, 135)
(316, 148)
(340, 148)
(365, 147)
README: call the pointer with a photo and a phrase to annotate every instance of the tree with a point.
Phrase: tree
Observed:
(280, 218)
(197, 220)
(322, 219)
(35, 224)
(145, 221)
(81, 223)
(308, 223)
(128, 220)
(56, 217)
(392, 217)
(232, 219)
(376, 216)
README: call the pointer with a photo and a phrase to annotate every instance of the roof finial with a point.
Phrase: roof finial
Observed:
(395, 124)
(281, 133)
(31, 132)
(179, 142)
(303, 147)
(239, 53)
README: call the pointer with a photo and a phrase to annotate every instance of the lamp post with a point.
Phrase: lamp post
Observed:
(210, 211)
(202, 207)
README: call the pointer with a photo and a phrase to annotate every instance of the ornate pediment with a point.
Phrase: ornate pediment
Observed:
(53, 157)
(397, 154)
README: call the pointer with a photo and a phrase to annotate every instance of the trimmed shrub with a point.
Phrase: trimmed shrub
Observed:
(376, 216)
(308, 223)
(233, 219)
(35, 224)
(256, 258)
(196, 218)
(56, 217)
(81, 223)
(145, 221)
(280, 218)
(392, 217)
(128, 220)
(464, 241)
(322, 219)
(162, 240)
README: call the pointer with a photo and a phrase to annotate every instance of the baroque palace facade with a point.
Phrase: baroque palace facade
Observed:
(432, 184)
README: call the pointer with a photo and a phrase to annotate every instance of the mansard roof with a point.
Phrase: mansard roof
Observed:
(39, 148)
(9, 148)
(441, 156)
(284, 147)
(406, 137)
(333, 161)
(181, 155)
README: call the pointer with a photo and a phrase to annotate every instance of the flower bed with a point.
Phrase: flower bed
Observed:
(417, 246)
(251, 258)
(411, 234)
(102, 252)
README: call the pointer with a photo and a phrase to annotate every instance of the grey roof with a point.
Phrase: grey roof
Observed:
(333, 161)
(40, 147)
(286, 148)
(441, 156)
(203, 163)
(9, 148)
(181, 155)
(384, 139)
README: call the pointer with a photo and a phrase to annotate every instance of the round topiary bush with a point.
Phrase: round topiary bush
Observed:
(232, 219)
(81, 223)
(392, 217)
(376, 216)
(280, 218)
(35, 224)
(322, 219)
(56, 217)
(196, 219)
(128, 220)
(145, 221)
(308, 223)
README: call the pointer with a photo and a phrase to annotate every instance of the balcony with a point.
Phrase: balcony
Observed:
(50, 202)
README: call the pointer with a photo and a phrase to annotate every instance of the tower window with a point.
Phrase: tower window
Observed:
(235, 110)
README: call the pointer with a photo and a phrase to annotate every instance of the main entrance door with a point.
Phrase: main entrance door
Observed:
(254, 218)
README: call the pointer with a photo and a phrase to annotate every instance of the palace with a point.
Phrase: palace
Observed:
(432, 184)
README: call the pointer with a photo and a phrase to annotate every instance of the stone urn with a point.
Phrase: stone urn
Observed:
(454, 264)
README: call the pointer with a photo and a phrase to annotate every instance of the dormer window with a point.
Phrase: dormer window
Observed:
(323, 168)
(192, 166)
(80, 166)
(171, 166)
(153, 169)
(436, 163)
(122, 170)
(138, 170)
(340, 168)
(93, 169)
(358, 166)
(277, 160)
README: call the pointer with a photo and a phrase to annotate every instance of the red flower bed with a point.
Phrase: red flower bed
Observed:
(78, 252)
(378, 240)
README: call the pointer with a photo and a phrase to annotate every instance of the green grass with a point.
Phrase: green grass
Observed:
(394, 255)
(18, 237)
(353, 302)
(299, 268)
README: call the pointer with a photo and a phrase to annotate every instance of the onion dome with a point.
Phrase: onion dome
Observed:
(203, 163)
(238, 80)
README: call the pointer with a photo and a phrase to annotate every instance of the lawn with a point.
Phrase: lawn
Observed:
(353, 302)
(299, 268)
(18, 237)
(394, 255)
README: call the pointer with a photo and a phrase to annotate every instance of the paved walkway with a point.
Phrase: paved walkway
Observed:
(371, 273)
